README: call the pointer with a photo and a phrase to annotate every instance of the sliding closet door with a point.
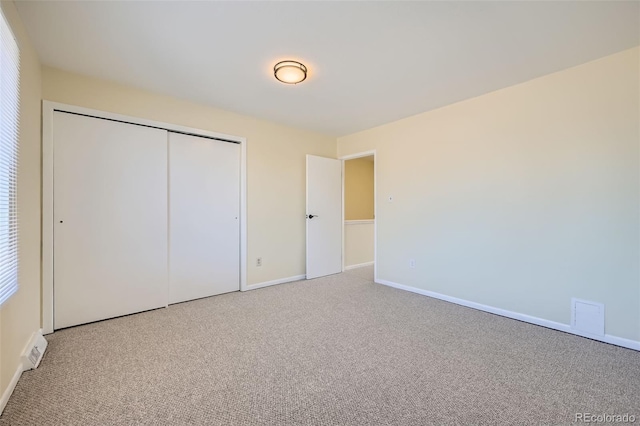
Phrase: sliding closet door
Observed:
(110, 219)
(204, 225)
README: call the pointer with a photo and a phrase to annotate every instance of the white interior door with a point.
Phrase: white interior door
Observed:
(110, 219)
(204, 225)
(324, 216)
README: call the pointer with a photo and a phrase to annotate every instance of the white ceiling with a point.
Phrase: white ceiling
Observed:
(370, 62)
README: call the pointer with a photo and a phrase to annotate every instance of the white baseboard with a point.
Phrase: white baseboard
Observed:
(9, 390)
(607, 338)
(24, 365)
(275, 282)
(359, 265)
(36, 338)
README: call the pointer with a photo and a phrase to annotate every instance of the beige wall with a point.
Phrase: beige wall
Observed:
(358, 189)
(275, 162)
(519, 199)
(358, 243)
(20, 315)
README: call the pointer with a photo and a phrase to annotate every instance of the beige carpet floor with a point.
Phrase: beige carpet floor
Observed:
(338, 350)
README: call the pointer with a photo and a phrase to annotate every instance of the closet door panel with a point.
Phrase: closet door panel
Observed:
(110, 219)
(204, 225)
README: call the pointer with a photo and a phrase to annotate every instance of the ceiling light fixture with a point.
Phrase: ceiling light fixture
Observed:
(290, 72)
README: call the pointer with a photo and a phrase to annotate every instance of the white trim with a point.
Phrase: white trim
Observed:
(375, 215)
(48, 109)
(375, 206)
(359, 155)
(358, 265)
(244, 242)
(10, 388)
(50, 106)
(343, 220)
(275, 282)
(360, 222)
(21, 367)
(47, 217)
(614, 340)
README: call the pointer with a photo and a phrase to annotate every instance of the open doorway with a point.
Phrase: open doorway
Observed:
(359, 212)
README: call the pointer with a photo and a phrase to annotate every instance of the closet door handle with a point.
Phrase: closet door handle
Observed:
(311, 216)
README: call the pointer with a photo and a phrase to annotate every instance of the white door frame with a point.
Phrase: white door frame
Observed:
(48, 109)
(375, 206)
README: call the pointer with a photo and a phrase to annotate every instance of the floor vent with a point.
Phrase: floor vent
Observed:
(587, 317)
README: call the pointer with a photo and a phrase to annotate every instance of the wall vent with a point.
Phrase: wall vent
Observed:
(587, 317)
(31, 359)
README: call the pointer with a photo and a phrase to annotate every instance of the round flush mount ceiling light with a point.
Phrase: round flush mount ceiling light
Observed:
(290, 72)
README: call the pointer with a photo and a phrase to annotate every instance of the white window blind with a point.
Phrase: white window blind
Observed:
(9, 115)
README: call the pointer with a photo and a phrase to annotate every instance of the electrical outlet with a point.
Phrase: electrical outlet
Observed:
(412, 263)
(259, 261)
